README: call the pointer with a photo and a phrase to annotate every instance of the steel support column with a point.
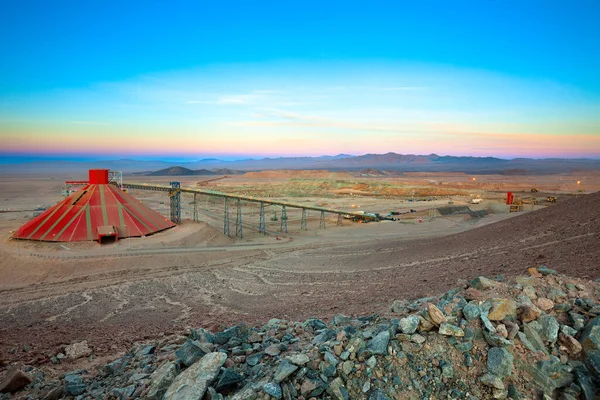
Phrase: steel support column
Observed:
(175, 202)
(262, 226)
(226, 218)
(283, 219)
(322, 221)
(195, 213)
(238, 219)
(303, 221)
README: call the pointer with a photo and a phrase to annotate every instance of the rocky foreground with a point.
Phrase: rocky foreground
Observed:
(533, 337)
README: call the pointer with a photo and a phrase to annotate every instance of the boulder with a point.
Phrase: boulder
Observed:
(161, 379)
(409, 325)
(435, 314)
(298, 359)
(78, 350)
(14, 380)
(571, 344)
(74, 385)
(482, 283)
(379, 343)
(285, 369)
(191, 351)
(471, 311)
(450, 330)
(544, 303)
(528, 312)
(499, 362)
(192, 383)
(501, 308)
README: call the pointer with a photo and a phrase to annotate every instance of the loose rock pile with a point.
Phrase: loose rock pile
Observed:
(535, 337)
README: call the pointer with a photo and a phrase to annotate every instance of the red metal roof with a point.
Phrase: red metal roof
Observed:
(78, 217)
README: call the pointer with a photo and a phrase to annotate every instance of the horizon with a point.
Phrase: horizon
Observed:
(34, 158)
(236, 81)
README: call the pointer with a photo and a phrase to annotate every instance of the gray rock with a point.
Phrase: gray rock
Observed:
(273, 389)
(272, 350)
(192, 383)
(330, 359)
(513, 392)
(471, 311)
(379, 343)
(230, 333)
(378, 395)
(347, 367)
(523, 338)
(529, 291)
(372, 362)
(191, 351)
(499, 362)
(482, 283)
(464, 347)
(123, 393)
(74, 385)
(78, 350)
(285, 369)
(546, 271)
(246, 393)
(492, 381)
(341, 319)
(254, 359)
(495, 340)
(578, 321)
(419, 339)
(161, 379)
(590, 336)
(409, 324)
(531, 331)
(450, 330)
(228, 380)
(337, 390)
(590, 341)
(567, 330)
(584, 381)
(298, 359)
(550, 326)
(487, 324)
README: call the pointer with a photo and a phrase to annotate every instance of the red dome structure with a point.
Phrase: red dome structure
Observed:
(99, 210)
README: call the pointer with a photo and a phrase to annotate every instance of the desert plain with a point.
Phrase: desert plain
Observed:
(195, 276)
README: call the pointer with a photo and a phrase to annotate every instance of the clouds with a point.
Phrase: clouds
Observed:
(427, 110)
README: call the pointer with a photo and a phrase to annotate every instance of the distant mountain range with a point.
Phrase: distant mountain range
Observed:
(182, 171)
(341, 162)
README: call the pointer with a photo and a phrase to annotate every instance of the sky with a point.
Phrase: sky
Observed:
(237, 79)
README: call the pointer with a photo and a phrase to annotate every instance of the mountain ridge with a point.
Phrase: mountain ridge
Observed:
(388, 161)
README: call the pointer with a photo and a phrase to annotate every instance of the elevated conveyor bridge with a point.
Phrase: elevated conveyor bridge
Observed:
(174, 195)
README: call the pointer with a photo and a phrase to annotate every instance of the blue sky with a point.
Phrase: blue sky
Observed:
(239, 79)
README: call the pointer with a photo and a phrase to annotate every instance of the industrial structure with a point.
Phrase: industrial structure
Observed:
(100, 211)
(175, 205)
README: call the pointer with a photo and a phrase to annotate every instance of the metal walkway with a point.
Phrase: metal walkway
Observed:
(174, 190)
